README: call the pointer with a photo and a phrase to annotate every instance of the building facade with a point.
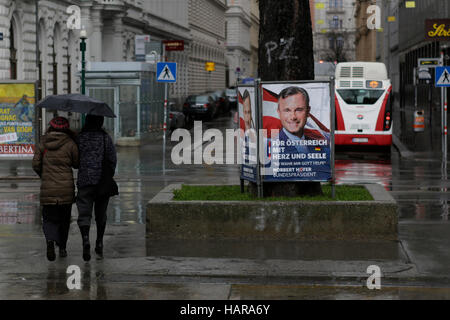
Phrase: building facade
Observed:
(387, 41)
(365, 38)
(238, 26)
(207, 28)
(334, 29)
(111, 26)
(254, 38)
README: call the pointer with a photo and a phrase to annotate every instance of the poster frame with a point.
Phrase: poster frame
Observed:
(36, 121)
(256, 107)
(332, 124)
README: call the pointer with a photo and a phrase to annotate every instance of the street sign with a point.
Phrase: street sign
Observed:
(174, 45)
(139, 46)
(424, 73)
(166, 72)
(429, 62)
(443, 76)
(152, 57)
(210, 66)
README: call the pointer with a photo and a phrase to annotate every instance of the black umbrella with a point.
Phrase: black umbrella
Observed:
(76, 103)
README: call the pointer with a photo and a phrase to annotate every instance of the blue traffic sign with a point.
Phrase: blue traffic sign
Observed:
(166, 72)
(443, 76)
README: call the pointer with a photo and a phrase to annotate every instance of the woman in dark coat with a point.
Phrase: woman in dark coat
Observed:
(96, 150)
(53, 161)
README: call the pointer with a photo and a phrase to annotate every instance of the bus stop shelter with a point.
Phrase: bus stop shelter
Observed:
(137, 99)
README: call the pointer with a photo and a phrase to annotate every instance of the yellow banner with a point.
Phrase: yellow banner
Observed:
(410, 4)
(12, 92)
(210, 66)
(320, 5)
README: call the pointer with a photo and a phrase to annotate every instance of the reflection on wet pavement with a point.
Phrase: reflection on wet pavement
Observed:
(419, 185)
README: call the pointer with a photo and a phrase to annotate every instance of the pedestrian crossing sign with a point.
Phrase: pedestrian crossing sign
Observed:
(443, 76)
(166, 72)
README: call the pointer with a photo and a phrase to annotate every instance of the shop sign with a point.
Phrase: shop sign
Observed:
(437, 29)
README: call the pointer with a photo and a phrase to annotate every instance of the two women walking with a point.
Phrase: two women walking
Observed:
(94, 154)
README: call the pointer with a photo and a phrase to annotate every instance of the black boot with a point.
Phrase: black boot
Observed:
(99, 249)
(99, 241)
(86, 245)
(62, 252)
(51, 256)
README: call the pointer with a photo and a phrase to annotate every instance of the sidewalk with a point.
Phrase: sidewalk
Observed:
(136, 267)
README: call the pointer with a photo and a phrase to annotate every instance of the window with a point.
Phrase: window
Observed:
(340, 42)
(55, 70)
(40, 93)
(12, 53)
(69, 72)
(331, 43)
(336, 4)
(352, 96)
(335, 24)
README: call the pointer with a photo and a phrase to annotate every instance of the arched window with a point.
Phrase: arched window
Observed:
(57, 61)
(69, 72)
(340, 42)
(42, 59)
(12, 51)
(54, 69)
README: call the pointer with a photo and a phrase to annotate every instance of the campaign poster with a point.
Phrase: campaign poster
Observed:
(296, 123)
(17, 103)
(247, 132)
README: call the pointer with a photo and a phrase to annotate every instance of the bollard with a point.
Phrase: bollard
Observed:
(419, 121)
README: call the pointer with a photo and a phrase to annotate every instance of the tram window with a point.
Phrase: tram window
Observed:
(360, 96)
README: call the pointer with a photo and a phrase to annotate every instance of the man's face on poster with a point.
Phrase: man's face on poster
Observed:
(293, 112)
(247, 114)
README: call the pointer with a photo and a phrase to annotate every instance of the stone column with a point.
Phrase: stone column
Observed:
(96, 38)
(118, 41)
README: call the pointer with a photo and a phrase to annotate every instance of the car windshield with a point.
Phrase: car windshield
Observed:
(231, 92)
(201, 99)
(360, 96)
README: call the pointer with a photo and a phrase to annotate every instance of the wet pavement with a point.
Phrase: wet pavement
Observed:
(135, 267)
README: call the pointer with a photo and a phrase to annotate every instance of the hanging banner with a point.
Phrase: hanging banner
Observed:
(248, 134)
(296, 123)
(17, 101)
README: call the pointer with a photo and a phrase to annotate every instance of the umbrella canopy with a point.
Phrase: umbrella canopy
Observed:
(76, 103)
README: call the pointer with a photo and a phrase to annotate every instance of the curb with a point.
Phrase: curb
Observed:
(402, 149)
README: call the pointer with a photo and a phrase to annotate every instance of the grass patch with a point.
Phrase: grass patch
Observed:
(233, 193)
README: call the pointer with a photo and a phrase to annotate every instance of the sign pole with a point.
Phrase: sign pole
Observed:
(332, 125)
(165, 128)
(444, 90)
(443, 118)
(165, 117)
(258, 136)
(260, 148)
(415, 88)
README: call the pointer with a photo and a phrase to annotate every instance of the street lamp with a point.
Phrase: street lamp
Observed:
(83, 37)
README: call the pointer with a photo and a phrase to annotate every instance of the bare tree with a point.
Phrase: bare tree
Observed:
(337, 47)
(286, 53)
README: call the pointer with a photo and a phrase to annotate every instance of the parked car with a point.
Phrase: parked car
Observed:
(176, 116)
(232, 96)
(221, 100)
(199, 106)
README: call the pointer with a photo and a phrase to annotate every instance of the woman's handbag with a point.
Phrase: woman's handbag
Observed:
(106, 187)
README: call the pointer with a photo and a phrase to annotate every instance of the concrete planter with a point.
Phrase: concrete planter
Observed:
(283, 220)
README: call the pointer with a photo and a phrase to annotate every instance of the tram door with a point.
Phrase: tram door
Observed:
(110, 97)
